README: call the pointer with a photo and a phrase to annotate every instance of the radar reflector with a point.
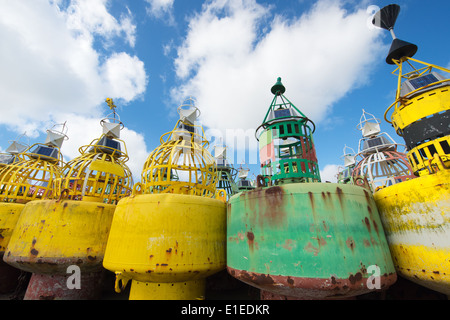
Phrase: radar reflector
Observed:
(188, 111)
(111, 124)
(349, 157)
(369, 126)
(220, 154)
(55, 138)
(386, 18)
(16, 147)
(243, 173)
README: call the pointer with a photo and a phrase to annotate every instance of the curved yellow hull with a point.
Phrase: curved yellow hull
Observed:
(167, 241)
(416, 219)
(9, 215)
(51, 235)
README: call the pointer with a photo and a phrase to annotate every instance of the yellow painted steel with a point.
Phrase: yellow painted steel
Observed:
(45, 234)
(99, 174)
(167, 238)
(188, 290)
(9, 214)
(410, 108)
(185, 154)
(171, 232)
(71, 226)
(30, 179)
(423, 162)
(416, 219)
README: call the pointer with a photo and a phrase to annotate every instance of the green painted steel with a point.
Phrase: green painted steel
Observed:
(286, 146)
(312, 230)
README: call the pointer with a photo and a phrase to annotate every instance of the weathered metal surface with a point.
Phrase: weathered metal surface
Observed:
(54, 287)
(312, 240)
(312, 288)
(188, 290)
(51, 235)
(166, 238)
(416, 218)
(9, 214)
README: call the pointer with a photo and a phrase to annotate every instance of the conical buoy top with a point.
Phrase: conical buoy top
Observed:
(278, 87)
(400, 49)
(386, 17)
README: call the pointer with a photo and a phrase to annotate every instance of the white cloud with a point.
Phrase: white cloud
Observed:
(126, 75)
(329, 173)
(52, 70)
(230, 65)
(90, 17)
(161, 9)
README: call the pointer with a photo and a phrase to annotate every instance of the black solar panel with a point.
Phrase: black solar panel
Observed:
(6, 159)
(423, 81)
(110, 143)
(244, 183)
(187, 127)
(374, 142)
(282, 113)
(46, 151)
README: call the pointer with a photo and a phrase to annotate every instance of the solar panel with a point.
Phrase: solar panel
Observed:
(282, 113)
(46, 152)
(244, 183)
(374, 142)
(187, 127)
(110, 143)
(423, 81)
(6, 159)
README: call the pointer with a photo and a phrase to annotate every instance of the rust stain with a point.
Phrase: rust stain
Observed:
(375, 225)
(310, 288)
(355, 278)
(265, 206)
(311, 199)
(340, 196)
(33, 251)
(250, 237)
(350, 243)
(366, 194)
(325, 226)
(367, 223)
(369, 208)
(288, 244)
(310, 248)
(322, 241)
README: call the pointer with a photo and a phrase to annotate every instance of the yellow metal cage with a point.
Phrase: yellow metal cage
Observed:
(99, 174)
(31, 178)
(181, 164)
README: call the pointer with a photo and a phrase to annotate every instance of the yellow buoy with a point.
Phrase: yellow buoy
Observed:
(415, 213)
(26, 174)
(63, 238)
(169, 235)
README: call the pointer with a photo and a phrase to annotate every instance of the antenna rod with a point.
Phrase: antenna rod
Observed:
(392, 33)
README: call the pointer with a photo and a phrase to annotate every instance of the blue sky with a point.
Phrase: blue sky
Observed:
(60, 59)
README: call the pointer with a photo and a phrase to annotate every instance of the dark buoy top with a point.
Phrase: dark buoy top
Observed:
(278, 87)
(386, 18)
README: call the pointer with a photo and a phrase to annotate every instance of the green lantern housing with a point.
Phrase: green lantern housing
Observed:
(286, 146)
